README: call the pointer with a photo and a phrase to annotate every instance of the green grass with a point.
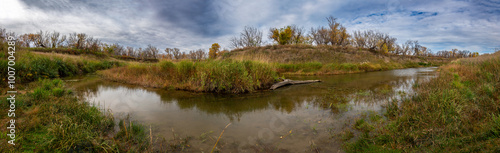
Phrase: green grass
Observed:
(459, 111)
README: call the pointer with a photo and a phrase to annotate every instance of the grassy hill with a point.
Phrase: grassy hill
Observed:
(312, 60)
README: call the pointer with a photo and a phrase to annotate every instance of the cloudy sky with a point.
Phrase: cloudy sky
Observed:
(192, 24)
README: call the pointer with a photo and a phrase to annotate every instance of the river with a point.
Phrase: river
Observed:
(298, 118)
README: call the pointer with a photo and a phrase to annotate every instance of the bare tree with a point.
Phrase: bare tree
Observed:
(320, 36)
(236, 42)
(46, 39)
(334, 34)
(93, 44)
(118, 49)
(175, 52)
(416, 48)
(54, 39)
(375, 40)
(250, 37)
(444, 53)
(140, 53)
(197, 54)
(168, 52)
(297, 34)
(406, 48)
(80, 41)
(72, 40)
(201, 54)
(152, 51)
(360, 39)
(398, 50)
(61, 41)
(24, 40)
(3, 34)
(39, 39)
(338, 33)
(130, 51)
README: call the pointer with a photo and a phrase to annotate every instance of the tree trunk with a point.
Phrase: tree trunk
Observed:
(291, 82)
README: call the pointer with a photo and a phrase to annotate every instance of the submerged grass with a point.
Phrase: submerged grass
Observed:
(220, 76)
(459, 111)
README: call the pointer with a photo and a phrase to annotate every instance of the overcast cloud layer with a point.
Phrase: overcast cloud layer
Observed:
(193, 24)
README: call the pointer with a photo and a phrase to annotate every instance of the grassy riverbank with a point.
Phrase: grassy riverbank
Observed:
(52, 119)
(456, 112)
(250, 69)
(220, 76)
(31, 66)
(320, 60)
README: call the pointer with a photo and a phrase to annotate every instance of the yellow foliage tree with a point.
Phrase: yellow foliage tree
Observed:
(282, 36)
(213, 51)
(475, 54)
(385, 49)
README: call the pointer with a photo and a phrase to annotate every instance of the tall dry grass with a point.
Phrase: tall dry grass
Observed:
(221, 76)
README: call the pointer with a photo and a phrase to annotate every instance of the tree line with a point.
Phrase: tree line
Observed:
(85, 43)
(335, 34)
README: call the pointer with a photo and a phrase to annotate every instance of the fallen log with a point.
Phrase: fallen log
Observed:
(291, 82)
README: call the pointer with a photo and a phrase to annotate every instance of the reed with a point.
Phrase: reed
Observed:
(219, 137)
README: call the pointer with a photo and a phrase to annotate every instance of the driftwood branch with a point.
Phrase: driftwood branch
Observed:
(291, 82)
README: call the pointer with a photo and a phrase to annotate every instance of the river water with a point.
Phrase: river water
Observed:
(298, 118)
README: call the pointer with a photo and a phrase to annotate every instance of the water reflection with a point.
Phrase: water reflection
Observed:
(311, 111)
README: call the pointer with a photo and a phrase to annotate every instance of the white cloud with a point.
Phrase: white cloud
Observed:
(459, 24)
